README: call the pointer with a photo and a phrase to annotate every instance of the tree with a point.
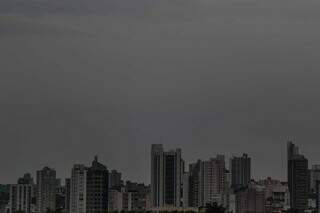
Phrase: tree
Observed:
(215, 208)
(56, 211)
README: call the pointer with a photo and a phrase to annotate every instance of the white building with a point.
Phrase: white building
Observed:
(78, 189)
(20, 198)
(207, 182)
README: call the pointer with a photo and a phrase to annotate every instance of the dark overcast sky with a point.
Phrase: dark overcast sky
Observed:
(111, 77)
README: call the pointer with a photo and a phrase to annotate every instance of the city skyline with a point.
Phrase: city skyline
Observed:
(173, 187)
(228, 158)
(159, 105)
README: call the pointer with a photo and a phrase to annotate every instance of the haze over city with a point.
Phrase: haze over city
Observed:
(80, 78)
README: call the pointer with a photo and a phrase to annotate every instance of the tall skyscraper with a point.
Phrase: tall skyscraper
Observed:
(97, 188)
(240, 168)
(196, 184)
(20, 198)
(115, 179)
(297, 178)
(213, 179)
(166, 177)
(186, 189)
(46, 190)
(78, 189)
(207, 182)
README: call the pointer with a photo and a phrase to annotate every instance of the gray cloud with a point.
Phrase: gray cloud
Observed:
(80, 78)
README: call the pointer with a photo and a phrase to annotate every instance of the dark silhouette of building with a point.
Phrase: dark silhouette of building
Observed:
(68, 192)
(138, 192)
(46, 190)
(195, 183)
(97, 188)
(26, 179)
(317, 186)
(240, 171)
(166, 177)
(4, 196)
(297, 179)
(60, 197)
(115, 181)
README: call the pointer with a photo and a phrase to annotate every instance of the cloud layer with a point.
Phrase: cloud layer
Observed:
(80, 78)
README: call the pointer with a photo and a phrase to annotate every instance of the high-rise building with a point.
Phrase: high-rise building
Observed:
(228, 198)
(97, 188)
(196, 184)
(186, 189)
(27, 179)
(68, 194)
(240, 168)
(213, 179)
(115, 179)
(207, 182)
(78, 189)
(20, 198)
(166, 177)
(46, 190)
(297, 178)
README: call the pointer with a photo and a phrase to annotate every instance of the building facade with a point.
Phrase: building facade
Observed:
(97, 188)
(314, 177)
(206, 182)
(251, 199)
(78, 189)
(240, 168)
(68, 194)
(298, 178)
(277, 195)
(46, 190)
(115, 180)
(20, 198)
(166, 177)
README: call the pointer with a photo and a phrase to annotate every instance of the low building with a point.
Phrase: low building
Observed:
(277, 195)
(251, 199)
